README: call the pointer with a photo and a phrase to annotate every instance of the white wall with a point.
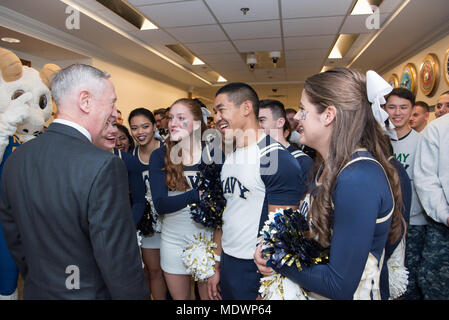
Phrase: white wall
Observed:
(134, 90)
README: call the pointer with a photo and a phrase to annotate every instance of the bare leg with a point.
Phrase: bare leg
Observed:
(178, 285)
(151, 259)
(202, 289)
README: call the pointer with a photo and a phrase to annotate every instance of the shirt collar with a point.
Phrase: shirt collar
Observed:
(75, 126)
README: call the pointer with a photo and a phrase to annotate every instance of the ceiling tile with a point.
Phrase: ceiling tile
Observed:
(301, 73)
(315, 8)
(303, 63)
(312, 26)
(211, 47)
(178, 14)
(155, 37)
(252, 30)
(315, 42)
(306, 54)
(221, 65)
(198, 33)
(148, 2)
(234, 58)
(235, 75)
(388, 6)
(272, 44)
(269, 75)
(360, 23)
(229, 10)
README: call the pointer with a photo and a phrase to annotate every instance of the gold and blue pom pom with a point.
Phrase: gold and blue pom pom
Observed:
(209, 210)
(285, 241)
(199, 258)
(279, 287)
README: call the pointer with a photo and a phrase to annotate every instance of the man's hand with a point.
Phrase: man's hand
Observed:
(261, 262)
(213, 285)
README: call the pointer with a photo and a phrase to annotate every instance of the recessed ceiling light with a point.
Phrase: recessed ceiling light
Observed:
(197, 62)
(335, 53)
(362, 7)
(11, 40)
(147, 25)
(342, 45)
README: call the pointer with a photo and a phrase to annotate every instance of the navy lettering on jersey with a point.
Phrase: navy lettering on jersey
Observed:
(194, 180)
(229, 186)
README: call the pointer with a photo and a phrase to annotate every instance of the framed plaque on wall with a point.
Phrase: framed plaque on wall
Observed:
(446, 66)
(393, 80)
(408, 78)
(429, 74)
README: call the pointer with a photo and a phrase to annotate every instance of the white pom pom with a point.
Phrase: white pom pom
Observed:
(278, 287)
(157, 224)
(397, 272)
(139, 238)
(199, 258)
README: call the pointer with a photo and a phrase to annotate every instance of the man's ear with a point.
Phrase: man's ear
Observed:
(246, 108)
(329, 115)
(85, 101)
(280, 123)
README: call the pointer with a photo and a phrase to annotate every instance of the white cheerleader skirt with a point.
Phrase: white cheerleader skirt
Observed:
(177, 231)
(153, 242)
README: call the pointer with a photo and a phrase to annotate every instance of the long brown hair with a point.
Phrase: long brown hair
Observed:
(354, 127)
(175, 178)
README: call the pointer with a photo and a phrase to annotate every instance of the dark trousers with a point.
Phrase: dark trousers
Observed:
(413, 257)
(433, 275)
(239, 279)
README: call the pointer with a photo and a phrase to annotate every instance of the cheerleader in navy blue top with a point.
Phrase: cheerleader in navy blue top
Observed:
(143, 130)
(174, 177)
(352, 206)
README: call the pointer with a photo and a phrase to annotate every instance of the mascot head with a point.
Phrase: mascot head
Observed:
(16, 80)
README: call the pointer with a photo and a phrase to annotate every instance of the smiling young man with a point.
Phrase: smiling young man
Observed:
(258, 177)
(399, 107)
(420, 116)
(272, 118)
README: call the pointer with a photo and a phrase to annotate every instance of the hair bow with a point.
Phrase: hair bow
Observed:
(377, 88)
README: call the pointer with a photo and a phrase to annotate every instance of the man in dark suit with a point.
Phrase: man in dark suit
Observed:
(64, 205)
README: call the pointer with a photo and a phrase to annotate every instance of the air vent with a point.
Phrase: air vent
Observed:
(128, 13)
(182, 51)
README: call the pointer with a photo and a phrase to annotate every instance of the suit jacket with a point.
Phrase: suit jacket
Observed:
(67, 219)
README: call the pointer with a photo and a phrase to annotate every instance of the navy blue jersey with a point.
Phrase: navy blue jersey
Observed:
(167, 201)
(362, 210)
(13, 143)
(305, 163)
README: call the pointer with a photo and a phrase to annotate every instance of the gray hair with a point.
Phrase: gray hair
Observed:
(67, 79)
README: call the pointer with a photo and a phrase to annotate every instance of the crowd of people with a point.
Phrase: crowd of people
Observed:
(363, 165)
